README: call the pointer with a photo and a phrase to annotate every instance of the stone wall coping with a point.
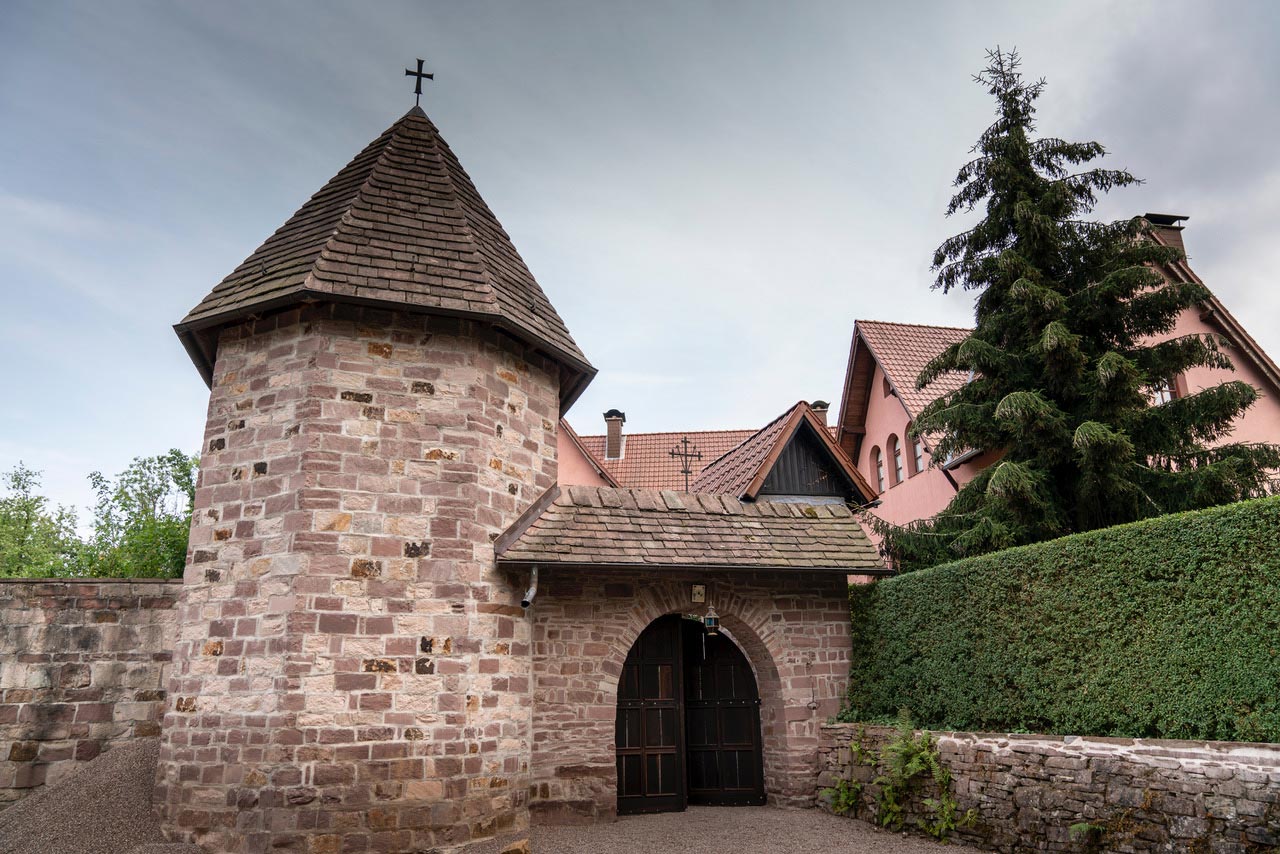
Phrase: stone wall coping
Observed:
(1250, 752)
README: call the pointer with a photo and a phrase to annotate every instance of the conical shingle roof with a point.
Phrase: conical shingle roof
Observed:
(403, 226)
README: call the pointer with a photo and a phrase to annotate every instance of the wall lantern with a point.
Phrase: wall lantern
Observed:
(711, 622)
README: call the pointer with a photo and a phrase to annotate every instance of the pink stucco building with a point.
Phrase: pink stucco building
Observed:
(881, 401)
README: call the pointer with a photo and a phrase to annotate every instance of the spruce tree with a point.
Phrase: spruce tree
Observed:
(1061, 362)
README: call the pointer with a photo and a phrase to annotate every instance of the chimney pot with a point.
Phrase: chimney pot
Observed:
(820, 408)
(613, 421)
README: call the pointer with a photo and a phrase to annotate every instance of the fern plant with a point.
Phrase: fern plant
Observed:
(904, 760)
(844, 797)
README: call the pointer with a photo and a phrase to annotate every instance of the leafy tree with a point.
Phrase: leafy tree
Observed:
(1061, 359)
(142, 519)
(35, 539)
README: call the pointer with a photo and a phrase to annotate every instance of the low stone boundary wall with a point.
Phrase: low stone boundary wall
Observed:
(82, 666)
(1120, 794)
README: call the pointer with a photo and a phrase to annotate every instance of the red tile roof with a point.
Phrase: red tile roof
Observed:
(903, 349)
(733, 472)
(741, 471)
(403, 226)
(633, 528)
(647, 464)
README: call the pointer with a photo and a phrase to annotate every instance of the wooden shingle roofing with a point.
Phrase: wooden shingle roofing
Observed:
(605, 528)
(400, 226)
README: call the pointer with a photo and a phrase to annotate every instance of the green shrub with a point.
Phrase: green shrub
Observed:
(1168, 628)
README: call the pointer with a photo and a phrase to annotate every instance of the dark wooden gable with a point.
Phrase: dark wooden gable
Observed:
(806, 467)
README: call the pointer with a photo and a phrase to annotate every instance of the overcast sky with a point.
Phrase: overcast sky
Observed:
(709, 193)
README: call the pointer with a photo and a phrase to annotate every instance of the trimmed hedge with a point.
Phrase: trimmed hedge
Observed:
(1168, 628)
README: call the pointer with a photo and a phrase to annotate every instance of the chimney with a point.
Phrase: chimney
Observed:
(1169, 227)
(613, 421)
(820, 408)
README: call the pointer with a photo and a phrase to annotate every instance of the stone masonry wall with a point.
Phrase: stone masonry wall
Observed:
(793, 627)
(1123, 794)
(352, 672)
(82, 667)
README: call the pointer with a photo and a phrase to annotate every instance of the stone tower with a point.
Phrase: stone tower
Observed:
(352, 672)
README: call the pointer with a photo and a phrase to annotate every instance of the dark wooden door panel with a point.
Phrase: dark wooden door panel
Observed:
(648, 735)
(722, 721)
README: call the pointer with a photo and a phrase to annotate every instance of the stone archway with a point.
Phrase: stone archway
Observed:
(791, 627)
(748, 625)
(688, 721)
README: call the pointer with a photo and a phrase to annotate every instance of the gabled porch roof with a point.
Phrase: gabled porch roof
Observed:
(605, 528)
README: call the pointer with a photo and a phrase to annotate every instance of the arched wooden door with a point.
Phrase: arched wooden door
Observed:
(688, 722)
(722, 729)
(649, 733)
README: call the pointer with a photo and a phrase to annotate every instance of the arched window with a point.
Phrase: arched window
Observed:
(895, 454)
(917, 448)
(877, 461)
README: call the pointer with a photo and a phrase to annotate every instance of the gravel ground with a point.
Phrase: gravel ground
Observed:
(742, 830)
(104, 808)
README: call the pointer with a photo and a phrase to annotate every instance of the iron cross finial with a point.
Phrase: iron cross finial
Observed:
(417, 84)
(686, 456)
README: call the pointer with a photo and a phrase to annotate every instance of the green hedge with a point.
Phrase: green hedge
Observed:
(1165, 628)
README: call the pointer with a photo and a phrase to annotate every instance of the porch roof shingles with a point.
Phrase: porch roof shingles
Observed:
(585, 525)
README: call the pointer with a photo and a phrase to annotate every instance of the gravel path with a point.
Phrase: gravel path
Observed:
(741, 830)
(104, 808)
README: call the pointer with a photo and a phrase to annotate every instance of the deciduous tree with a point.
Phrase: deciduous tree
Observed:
(36, 538)
(142, 519)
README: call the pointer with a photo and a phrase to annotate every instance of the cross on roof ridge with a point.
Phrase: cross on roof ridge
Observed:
(420, 75)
